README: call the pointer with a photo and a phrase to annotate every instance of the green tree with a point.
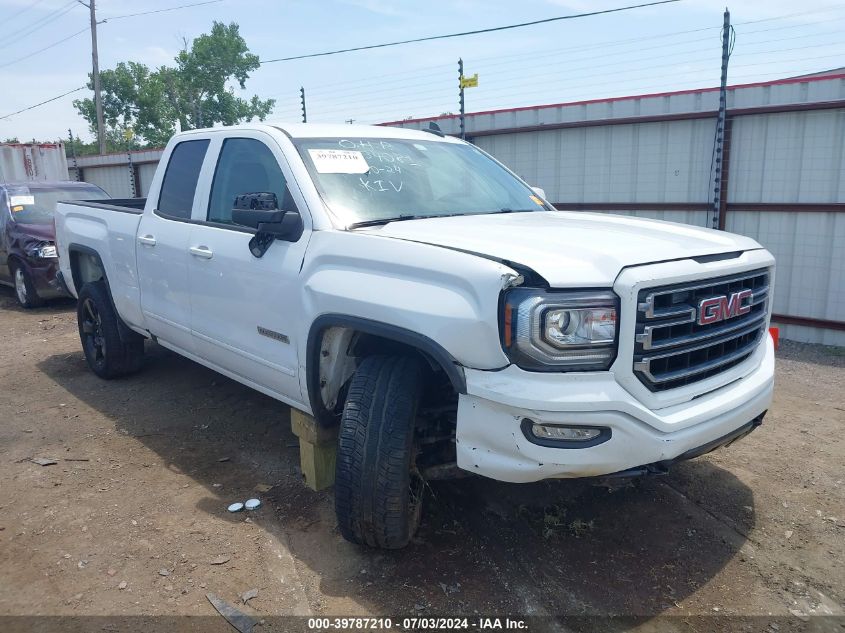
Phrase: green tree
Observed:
(143, 107)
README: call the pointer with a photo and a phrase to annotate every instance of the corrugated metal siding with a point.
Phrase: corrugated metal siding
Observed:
(810, 279)
(121, 158)
(811, 90)
(788, 157)
(145, 178)
(30, 162)
(643, 162)
(112, 171)
(115, 180)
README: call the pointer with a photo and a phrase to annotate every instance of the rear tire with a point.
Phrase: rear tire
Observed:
(111, 349)
(378, 491)
(25, 291)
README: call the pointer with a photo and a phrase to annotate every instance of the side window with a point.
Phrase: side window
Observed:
(245, 165)
(180, 179)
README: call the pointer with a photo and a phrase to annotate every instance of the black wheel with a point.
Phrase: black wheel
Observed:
(25, 291)
(378, 490)
(111, 348)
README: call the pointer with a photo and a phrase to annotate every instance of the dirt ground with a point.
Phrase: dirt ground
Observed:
(132, 518)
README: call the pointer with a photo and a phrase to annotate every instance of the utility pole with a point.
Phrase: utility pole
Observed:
(98, 98)
(302, 100)
(461, 98)
(720, 123)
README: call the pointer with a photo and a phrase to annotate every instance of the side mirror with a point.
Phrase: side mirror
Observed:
(540, 192)
(260, 211)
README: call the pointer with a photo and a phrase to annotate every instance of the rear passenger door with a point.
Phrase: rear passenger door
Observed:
(245, 309)
(162, 248)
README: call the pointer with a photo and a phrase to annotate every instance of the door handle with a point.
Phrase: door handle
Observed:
(201, 251)
(149, 240)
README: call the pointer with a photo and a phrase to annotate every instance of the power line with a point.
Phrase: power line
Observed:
(41, 50)
(413, 74)
(117, 17)
(792, 15)
(32, 107)
(792, 26)
(40, 23)
(560, 68)
(31, 5)
(465, 33)
(134, 15)
(794, 48)
(498, 97)
(438, 100)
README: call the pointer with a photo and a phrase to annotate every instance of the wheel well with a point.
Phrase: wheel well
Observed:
(85, 266)
(336, 347)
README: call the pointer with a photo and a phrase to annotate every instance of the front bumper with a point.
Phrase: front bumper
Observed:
(43, 273)
(490, 440)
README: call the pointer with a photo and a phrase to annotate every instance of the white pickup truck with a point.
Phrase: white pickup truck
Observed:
(412, 291)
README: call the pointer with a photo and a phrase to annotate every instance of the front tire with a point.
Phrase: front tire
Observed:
(25, 291)
(378, 490)
(111, 349)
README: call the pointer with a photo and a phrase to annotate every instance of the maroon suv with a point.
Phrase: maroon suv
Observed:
(28, 260)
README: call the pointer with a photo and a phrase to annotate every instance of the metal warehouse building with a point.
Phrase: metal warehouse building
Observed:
(650, 156)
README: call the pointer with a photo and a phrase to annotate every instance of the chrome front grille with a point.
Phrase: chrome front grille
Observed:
(673, 349)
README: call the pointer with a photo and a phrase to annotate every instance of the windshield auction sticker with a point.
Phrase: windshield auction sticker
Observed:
(339, 161)
(21, 200)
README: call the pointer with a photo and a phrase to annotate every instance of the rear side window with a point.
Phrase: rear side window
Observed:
(180, 179)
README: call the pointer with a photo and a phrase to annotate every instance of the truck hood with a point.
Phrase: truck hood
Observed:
(569, 249)
(37, 232)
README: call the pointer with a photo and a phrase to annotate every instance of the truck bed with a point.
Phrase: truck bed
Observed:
(109, 229)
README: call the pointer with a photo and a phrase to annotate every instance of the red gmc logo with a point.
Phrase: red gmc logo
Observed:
(715, 309)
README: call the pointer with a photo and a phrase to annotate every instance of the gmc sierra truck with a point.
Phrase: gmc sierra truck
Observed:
(410, 291)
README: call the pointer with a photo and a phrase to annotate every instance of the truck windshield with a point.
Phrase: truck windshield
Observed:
(367, 181)
(37, 204)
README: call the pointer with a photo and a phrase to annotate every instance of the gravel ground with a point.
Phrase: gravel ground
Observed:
(132, 519)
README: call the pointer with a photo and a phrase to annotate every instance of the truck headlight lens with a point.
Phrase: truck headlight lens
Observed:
(579, 326)
(45, 251)
(562, 331)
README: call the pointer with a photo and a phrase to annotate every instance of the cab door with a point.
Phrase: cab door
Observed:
(245, 309)
(162, 248)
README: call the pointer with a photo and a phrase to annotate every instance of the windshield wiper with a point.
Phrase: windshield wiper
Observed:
(380, 221)
(400, 218)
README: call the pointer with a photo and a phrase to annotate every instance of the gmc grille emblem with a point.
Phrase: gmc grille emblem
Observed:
(715, 309)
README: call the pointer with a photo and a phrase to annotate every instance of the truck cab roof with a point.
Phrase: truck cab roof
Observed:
(330, 130)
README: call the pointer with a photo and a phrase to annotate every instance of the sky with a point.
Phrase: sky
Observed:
(654, 49)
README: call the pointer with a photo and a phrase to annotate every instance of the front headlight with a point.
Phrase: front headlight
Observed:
(45, 251)
(560, 331)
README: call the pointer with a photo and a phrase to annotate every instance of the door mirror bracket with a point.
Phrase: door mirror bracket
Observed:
(261, 212)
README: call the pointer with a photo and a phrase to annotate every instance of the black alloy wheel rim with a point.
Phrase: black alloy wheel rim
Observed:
(92, 328)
